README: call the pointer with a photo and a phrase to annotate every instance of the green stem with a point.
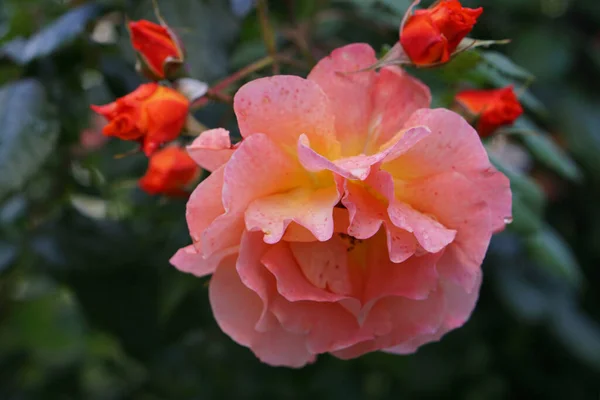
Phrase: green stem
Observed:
(268, 33)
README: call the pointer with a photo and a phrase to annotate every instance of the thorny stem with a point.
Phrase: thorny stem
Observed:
(298, 38)
(222, 97)
(159, 16)
(215, 91)
(268, 33)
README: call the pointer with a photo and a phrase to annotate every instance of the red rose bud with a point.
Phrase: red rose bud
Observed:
(152, 115)
(494, 108)
(170, 171)
(430, 36)
(157, 46)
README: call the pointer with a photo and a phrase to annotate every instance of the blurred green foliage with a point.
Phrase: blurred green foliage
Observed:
(91, 309)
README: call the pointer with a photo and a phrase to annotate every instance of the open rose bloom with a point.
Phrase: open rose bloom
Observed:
(351, 218)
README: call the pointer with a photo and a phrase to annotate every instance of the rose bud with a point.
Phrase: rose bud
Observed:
(158, 48)
(493, 108)
(170, 171)
(430, 36)
(152, 115)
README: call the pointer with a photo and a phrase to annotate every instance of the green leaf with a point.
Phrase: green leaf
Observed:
(528, 199)
(53, 37)
(359, 3)
(397, 6)
(578, 332)
(505, 65)
(578, 123)
(552, 252)
(523, 186)
(49, 326)
(525, 220)
(29, 132)
(459, 66)
(8, 254)
(546, 151)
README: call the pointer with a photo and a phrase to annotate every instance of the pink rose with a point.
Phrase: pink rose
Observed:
(351, 218)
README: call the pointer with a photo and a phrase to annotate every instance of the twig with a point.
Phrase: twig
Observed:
(267, 31)
(215, 91)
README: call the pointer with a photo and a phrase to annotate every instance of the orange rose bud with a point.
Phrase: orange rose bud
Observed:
(494, 108)
(430, 36)
(170, 171)
(157, 46)
(152, 115)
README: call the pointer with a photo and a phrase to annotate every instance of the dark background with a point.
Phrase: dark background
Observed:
(91, 309)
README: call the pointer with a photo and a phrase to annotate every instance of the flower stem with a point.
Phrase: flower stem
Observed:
(268, 33)
(215, 91)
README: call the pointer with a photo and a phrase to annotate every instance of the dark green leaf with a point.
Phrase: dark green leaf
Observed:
(29, 133)
(525, 220)
(49, 326)
(53, 37)
(398, 6)
(528, 199)
(548, 51)
(505, 65)
(523, 186)
(579, 120)
(545, 150)
(551, 251)
(455, 70)
(8, 253)
(578, 332)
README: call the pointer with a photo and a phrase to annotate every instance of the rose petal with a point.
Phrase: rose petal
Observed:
(248, 176)
(458, 204)
(325, 264)
(414, 278)
(453, 145)
(359, 167)
(211, 149)
(189, 259)
(204, 205)
(495, 188)
(408, 318)
(396, 96)
(237, 310)
(312, 209)
(255, 277)
(367, 213)
(292, 284)
(326, 326)
(284, 107)
(349, 93)
(458, 308)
